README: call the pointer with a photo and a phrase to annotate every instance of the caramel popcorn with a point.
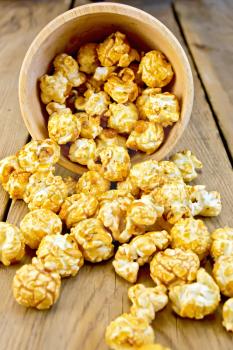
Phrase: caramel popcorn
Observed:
(94, 240)
(90, 126)
(97, 103)
(68, 66)
(87, 58)
(174, 267)
(63, 126)
(60, 253)
(39, 155)
(203, 202)
(145, 137)
(7, 166)
(123, 117)
(54, 87)
(191, 234)
(45, 191)
(109, 137)
(188, 163)
(222, 242)
(102, 73)
(128, 332)
(198, 299)
(93, 183)
(82, 151)
(111, 50)
(53, 107)
(153, 347)
(147, 301)
(155, 69)
(128, 58)
(11, 244)
(17, 184)
(122, 87)
(37, 224)
(70, 185)
(128, 186)
(223, 274)
(227, 313)
(35, 286)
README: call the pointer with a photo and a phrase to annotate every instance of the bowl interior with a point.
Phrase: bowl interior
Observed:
(70, 32)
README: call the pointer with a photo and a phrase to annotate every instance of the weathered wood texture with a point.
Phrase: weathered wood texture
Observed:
(90, 301)
(208, 28)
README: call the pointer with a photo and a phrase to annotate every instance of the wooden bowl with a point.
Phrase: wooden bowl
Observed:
(93, 23)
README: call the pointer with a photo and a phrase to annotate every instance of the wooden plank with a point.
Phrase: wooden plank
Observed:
(208, 29)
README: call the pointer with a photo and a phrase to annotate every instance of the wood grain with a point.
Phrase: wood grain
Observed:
(208, 29)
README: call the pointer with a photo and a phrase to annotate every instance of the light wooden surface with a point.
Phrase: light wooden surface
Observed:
(96, 296)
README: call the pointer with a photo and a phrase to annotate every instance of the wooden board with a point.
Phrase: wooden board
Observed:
(96, 296)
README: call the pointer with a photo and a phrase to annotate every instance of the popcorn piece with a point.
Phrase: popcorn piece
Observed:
(187, 162)
(7, 166)
(17, 183)
(128, 332)
(227, 313)
(38, 224)
(94, 240)
(68, 66)
(155, 69)
(191, 234)
(128, 186)
(146, 137)
(90, 126)
(63, 126)
(196, 300)
(110, 51)
(158, 107)
(53, 107)
(102, 73)
(70, 185)
(39, 155)
(60, 253)
(109, 137)
(129, 57)
(97, 103)
(78, 207)
(35, 286)
(54, 87)
(82, 151)
(122, 87)
(174, 267)
(153, 347)
(123, 117)
(87, 58)
(11, 244)
(45, 191)
(93, 183)
(203, 202)
(223, 274)
(147, 301)
(222, 242)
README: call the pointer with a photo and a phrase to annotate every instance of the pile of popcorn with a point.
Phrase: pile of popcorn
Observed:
(152, 217)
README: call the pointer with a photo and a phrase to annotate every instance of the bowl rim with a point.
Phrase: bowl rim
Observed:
(121, 9)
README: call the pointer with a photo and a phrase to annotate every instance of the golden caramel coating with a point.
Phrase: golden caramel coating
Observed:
(122, 87)
(54, 87)
(68, 66)
(87, 58)
(63, 126)
(17, 183)
(203, 202)
(174, 267)
(110, 137)
(128, 186)
(94, 240)
(78, 207)
(145, 100)
(80, 103)
(153, 347)
(147, 301)
(187, 163)
(39, 155)
(155, 69)
(138, 252)
(123, 117)
(102, 73)
(96, 103)
(128, 58)
(11, 244)
(191, 234)
(35, 286)
(60, 253)
(227, 314)
(93, 183)
(82, 151)
(70, 185)
(53, 107)
(90, 126)
(198, 299)
(222, 242)
(7, 166)
(145, 137)
(111, 50)
(37, 224)
(128, 332)
(46, 191)
(223, 274)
